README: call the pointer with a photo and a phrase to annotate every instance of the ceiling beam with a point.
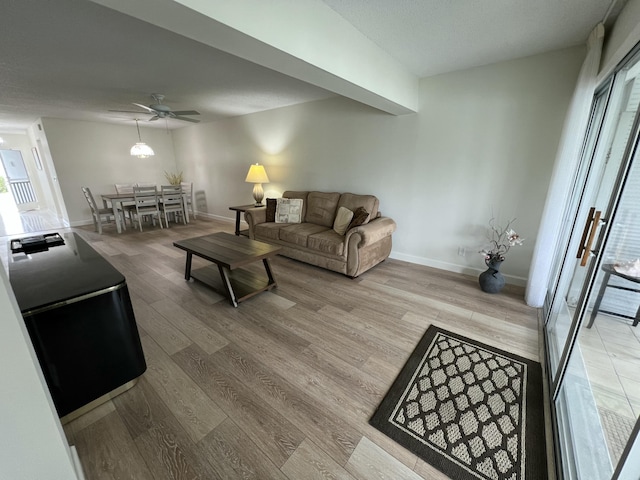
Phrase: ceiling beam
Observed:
(304, 39)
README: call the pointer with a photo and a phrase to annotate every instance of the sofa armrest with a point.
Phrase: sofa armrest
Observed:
(372, 232)
(255, 216)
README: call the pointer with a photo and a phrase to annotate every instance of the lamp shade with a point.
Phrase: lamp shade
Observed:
(142, 150)
(257, 174)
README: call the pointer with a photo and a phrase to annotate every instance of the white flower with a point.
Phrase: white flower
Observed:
(501, 240)
(513, 238)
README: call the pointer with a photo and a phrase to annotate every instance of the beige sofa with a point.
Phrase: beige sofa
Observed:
(314, 240)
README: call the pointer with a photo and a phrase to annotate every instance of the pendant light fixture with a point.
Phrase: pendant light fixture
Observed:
(141, 149)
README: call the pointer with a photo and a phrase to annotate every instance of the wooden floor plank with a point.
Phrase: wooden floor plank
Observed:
(107, 451)
(206, 338)
(170, 453)
(195, 411)
(370, 461)
(272, 431)
(233, 454)
(165, 334)
(335, 437)
(311, 463)
(140, 408)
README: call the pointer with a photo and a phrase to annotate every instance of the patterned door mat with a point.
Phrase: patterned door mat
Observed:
(617, 429)
(471, 410)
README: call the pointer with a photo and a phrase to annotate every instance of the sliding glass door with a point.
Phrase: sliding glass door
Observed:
(592, 342)
(561, 313)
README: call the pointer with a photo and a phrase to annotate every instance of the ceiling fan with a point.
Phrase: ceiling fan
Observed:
(160, 110)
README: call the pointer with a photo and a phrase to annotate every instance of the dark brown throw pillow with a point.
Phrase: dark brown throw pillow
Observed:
(360, 216)
(271, 209)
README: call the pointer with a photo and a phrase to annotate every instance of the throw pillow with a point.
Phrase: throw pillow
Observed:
(360, 216)
(289, 210)
(343, 218)
(271, 209)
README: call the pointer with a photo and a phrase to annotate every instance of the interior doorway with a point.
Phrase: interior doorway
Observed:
(21, 209)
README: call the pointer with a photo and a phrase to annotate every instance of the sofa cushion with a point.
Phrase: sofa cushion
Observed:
(268, 231)
(321, 208)
(342, 221)
(302, 195)
(353, 201)
(327, 242)
(360, 216)
(298, 234)
(271, 209)
(289, 210)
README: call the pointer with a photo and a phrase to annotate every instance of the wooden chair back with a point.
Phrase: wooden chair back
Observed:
(90, 200)
(146, 199)
(124, 188)
(172, 197)
(187, 188)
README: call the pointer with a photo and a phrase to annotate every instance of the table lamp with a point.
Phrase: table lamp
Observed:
(257, 176)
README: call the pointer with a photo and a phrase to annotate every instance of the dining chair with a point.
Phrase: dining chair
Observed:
(146, 203)
(98, 214)
(124, 187)
(187, 189)
(172, 203)
(127, 207)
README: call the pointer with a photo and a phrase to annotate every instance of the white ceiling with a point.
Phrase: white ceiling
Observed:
(77, 59)
(437, 36)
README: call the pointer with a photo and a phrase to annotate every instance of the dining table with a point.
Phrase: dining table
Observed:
(116, 201)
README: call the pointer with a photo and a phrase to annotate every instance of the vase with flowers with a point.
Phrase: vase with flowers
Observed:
(501, 240)
(173, 178)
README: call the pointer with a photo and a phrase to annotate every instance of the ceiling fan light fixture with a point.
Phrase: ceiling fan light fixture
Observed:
(141, 149)
(161, 110)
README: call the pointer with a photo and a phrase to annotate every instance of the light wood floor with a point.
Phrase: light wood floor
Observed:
(281, 387)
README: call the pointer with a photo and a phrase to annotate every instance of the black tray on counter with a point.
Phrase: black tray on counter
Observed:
(36, 243)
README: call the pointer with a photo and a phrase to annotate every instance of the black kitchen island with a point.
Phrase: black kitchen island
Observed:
(78, 313)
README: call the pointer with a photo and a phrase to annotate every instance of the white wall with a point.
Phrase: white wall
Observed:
(484, 138)
(32, 442)
(96, 155)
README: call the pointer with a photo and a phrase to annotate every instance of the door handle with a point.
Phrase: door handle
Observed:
(588, 235)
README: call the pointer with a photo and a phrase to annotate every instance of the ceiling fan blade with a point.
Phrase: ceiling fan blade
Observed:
(148, 109)
(152, 119)
(185, 112)
(127, 111)
(186, 119)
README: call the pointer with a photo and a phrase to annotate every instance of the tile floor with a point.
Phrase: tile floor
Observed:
(611, 354)
(13, 222)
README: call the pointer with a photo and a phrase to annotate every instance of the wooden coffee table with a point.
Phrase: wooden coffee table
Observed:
(230, 253)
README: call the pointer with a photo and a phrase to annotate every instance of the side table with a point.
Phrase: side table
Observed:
(241, 209)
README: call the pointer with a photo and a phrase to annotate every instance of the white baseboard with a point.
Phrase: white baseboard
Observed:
(80, 223)
(217, 217)
(76, 463)
(452, 267)
(243, 224)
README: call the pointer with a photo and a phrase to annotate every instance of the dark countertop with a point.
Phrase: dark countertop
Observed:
(62, 273)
